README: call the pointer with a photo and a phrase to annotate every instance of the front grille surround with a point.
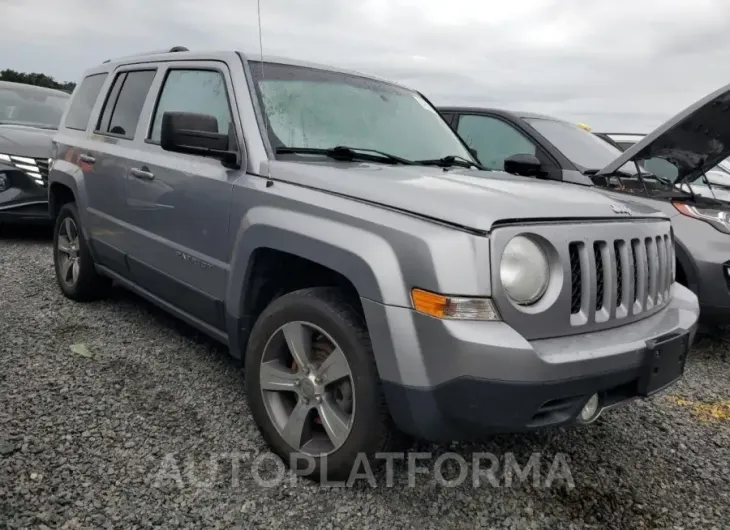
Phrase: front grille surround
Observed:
(36, 168)
(609, 273)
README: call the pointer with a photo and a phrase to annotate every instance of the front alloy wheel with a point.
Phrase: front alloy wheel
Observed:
(313, 385)
(306, 384)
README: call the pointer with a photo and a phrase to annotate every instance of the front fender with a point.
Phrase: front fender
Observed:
(365, 259)
(688, 266)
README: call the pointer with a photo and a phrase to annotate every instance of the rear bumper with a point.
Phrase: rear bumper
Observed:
(462, 380)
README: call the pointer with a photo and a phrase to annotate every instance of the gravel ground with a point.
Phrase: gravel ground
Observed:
(93, 438)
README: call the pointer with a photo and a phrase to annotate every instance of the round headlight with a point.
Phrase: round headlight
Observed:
(524, 271)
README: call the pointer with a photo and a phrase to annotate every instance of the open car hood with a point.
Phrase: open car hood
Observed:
(694, 141)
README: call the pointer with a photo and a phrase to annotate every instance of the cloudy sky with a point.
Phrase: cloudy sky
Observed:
(623, 65)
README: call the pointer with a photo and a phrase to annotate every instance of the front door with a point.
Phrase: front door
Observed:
(177, 205)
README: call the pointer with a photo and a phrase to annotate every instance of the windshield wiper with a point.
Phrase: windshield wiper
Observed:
(346, 154)
(449, 161)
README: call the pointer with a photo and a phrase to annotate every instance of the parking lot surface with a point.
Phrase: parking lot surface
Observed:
(111, 414)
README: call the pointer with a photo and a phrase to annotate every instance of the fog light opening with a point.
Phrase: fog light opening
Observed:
(591, 410)
(4, 182)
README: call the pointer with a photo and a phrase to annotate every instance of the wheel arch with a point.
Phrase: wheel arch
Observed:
(363, 264)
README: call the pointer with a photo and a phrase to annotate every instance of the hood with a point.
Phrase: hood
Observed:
(25, 141)
(695, 140)
(467, 198)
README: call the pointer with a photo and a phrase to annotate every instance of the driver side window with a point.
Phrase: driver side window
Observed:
(196, 91)
(493, 139)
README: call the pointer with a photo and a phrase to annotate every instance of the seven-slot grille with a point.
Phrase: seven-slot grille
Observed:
(618, 278)
(37, 168)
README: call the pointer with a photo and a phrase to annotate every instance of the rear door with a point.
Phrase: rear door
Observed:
(113, 147)
(177, 205)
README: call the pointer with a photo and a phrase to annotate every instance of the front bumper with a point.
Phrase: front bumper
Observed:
(714, 287)
(456, 380)
(24, 201)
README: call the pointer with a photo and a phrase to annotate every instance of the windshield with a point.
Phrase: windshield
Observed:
(307, 107)
(31, 105)
(581, 147)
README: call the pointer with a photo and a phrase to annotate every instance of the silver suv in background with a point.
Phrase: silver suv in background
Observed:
(691, 143)
(333, 231)
(29, 116)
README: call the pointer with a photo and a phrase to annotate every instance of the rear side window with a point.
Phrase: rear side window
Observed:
(83, 102)
(197, 91)
(124, 103)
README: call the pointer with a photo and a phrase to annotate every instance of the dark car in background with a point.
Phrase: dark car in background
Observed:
(29, 116)
(693, 142)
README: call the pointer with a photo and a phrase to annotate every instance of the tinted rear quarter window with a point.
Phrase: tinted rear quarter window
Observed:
(83, 102)
(126, 106)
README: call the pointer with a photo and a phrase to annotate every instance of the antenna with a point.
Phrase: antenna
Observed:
(263, 110)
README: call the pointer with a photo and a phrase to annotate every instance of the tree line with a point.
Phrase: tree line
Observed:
(36, 79)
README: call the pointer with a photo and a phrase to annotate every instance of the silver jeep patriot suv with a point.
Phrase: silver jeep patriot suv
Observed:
(335, 233)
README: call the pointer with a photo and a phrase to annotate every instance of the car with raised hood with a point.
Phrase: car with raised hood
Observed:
(333, 231)
(692, 143)
(713, 183)
(29, 116)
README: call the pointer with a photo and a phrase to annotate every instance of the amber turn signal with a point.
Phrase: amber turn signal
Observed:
(453, 307)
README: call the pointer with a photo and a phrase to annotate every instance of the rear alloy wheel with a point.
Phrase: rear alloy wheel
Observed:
(313, 387)
(75, 271)
(68, 252)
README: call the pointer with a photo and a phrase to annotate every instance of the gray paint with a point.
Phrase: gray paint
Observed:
(385, 228)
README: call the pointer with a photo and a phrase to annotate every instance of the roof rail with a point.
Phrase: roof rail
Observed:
(155, 52)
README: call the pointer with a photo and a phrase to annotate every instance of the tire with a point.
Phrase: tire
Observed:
(88, 285)
(371, 428)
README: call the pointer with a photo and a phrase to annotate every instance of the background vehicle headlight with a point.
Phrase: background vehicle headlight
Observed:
(524, 271)
(720, 219)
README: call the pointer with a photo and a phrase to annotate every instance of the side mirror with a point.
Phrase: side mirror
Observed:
(197, 134)
(523, 164)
